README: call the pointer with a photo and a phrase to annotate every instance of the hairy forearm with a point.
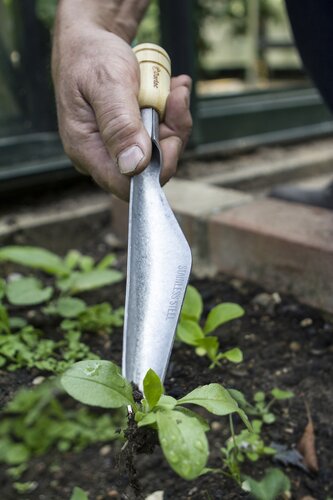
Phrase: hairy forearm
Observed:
(121, 17)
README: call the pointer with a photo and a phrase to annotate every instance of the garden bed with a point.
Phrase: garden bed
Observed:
(285, 345)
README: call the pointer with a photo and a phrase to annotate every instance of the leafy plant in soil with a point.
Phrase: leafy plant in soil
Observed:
(190, 332)
(23, 346)
(245, 445)
(78, 316)
(251, 445)
(261, 408)
(35, 421)
(75, 273)
(181, 432)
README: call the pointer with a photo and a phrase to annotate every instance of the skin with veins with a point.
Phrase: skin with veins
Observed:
(96, 78)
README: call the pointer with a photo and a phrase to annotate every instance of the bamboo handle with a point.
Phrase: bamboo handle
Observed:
(155, 74)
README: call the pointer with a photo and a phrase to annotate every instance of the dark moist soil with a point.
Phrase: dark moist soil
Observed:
(285, 345)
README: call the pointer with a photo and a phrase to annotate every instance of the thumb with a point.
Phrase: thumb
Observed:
(120, 126)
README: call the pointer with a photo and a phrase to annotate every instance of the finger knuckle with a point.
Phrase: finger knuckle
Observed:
(116, 128)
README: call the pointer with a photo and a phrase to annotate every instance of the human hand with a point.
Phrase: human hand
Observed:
(96, 77)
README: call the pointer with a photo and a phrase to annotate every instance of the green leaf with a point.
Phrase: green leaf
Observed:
(27, 291)
(259, 397)
(14, 453)
(189, 332)
(72, 259)
(214, 397)
(26, 487)
(17, 323)
(145, 419)
(183, 441)
(279, 394)
(70, 307)
(35, 257)
(79, 494)
(220, 314)
(86, 263)
(210, 346)
(268, 418)
(270, 487)
(193, 305)
(81, 282)
(234, 355)
(167, 402)
(152, 388)
(97, 383)
(239, 397)
(107, 261)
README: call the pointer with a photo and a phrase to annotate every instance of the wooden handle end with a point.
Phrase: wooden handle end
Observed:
(155, 73)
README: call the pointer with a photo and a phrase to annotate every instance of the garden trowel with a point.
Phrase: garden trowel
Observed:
(159, 257)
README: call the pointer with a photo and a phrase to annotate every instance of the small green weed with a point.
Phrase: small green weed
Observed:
(35, 421)
(181, 432)
(23, 346)
(190, 332)
(78, 316)
(75, 273)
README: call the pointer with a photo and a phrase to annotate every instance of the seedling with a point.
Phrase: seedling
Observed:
(181, 432)
(190, 332)
(78, 316)
(75, 273)
(250, 445)
(261, 408)
(242, 446)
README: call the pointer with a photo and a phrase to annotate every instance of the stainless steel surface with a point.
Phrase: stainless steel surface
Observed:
(158, 268)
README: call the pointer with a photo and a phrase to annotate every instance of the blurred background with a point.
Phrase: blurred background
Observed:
(250, 89)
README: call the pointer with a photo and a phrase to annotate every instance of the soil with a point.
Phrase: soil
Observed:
(285, 345)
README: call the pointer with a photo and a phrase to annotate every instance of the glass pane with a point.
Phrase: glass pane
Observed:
(246, 45)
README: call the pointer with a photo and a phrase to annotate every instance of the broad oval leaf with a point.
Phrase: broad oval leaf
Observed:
(145, 419)
(70, 307)
(280, 394)
(214, 397)
(83, 281)
(189, 332)
(35, 257)
(239, 397)
(220, 314)
(234, 355)
(79, 494)
(183, 441)
(97, 383)
(167, 402)
(193, 305)
(270, 487)
(152, 388)
(27, 291)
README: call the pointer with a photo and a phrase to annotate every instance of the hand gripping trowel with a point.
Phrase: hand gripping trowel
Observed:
(159, 257)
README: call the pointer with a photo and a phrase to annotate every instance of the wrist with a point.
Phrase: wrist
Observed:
(121, 18)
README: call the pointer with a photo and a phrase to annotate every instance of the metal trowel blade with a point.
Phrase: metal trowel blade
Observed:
(158, 269)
